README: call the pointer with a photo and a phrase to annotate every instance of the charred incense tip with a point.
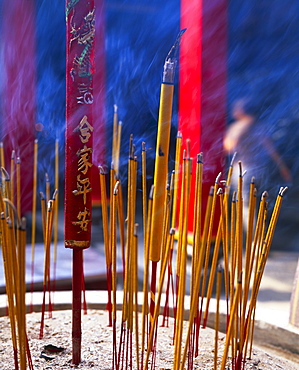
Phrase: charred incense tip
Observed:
(5, 174)
(282, 191)
(54, 196)
(2, 216)
(47, 177)
(179, 135)
(13, 154)
(217, 178)
(23, 224)
(233, 159)
(244, 173)
(240, 278)
(234, 197)
(219, 191)
(42, 196)
(18, 161)
(252, 180)
(136, 229)
(240, 168)
(143, 146)
(151, 194)
(211, 191)
(184, 154)
(101, 169)
(172, 231)
(50, 205)
(255, 192)
(115, 190)
(265, 194)
(200, 157)
(115, 108)
(171, 60)
(112, 166)
(220, 269)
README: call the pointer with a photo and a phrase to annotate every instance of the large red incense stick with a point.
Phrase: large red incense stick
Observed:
(78, 159)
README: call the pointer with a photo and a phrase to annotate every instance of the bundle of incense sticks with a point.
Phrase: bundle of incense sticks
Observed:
(165, 229)
(13, 243)
(241, 269)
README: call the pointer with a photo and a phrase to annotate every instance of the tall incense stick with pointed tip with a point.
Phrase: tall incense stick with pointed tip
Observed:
(161, 163)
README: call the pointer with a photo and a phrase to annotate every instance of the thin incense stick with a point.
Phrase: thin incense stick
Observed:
(33, 223)
(106, 240)
(12, 176)
(2, 157)
(18, 181)
(218, 294)
(56, 214)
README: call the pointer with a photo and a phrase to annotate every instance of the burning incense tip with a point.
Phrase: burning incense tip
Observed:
(115, 108)
(55, 194)
(220, 191)
(101, 169)
(42, 196)
(115, 191)
(233, 159)
(200, 158)
(5, 174)
(151, 194)
(282, 191)
(136, 229)
(171, 60)
(13, 154)
(265, 194)
(217, 178)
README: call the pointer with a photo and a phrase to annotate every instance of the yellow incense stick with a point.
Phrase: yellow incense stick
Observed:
(8, 273)
(18, 167)
(34, 192)
(176, 177)
(145, 306)
(2, 157)
(218, 294)
(231, 322)
(56, 184)
(162, 149)
(12, 176)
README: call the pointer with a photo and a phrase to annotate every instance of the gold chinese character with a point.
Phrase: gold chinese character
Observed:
(83, 187)
(83, 163)
(83, 219)
(85, 129)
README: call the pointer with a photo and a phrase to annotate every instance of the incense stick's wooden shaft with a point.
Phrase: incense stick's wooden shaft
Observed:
(33, 227)
(161, 170)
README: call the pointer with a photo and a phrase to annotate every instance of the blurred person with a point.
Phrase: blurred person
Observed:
(249, 136)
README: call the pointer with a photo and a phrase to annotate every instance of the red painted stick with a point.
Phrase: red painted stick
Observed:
(78, 158)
